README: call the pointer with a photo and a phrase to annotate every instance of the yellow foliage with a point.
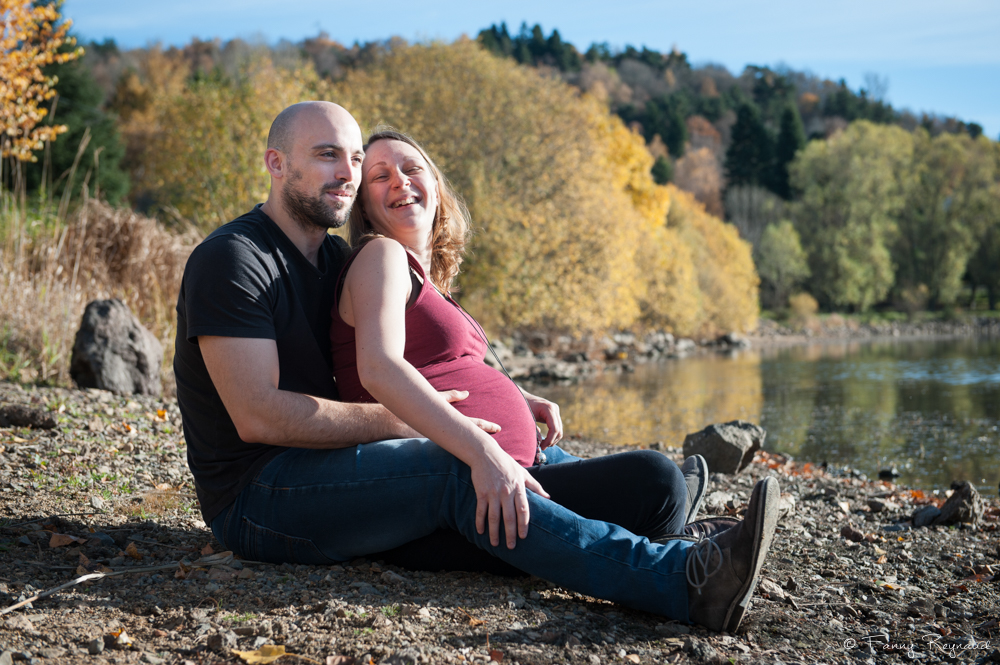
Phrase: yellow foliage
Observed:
(570, 230)
(202, 143)
(727, 278)
(555, 230)
(570, 227)
(29, 41)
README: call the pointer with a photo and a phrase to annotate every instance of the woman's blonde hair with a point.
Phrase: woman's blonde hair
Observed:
(451, 220)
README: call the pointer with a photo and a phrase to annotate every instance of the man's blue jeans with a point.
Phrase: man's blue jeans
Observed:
(328, 506)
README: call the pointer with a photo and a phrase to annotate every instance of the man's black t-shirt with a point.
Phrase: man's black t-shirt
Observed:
(247, 279)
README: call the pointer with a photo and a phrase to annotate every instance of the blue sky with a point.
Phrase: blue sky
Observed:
(941, 57)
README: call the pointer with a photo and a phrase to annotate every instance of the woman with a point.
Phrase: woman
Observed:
(398, 337)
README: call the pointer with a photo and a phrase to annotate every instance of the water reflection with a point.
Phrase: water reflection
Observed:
(930, 408)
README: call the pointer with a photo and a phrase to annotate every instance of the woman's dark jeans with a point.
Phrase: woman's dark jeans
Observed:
(329, 506)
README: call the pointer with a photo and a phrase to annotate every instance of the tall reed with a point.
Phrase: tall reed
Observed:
(54, 262)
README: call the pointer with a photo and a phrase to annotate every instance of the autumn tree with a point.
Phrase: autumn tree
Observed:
(853, 186)
(726, 276)
(550, 248)
(781, 263)
(31, 38)
(698, 172)
(196, 144)
(952, 203)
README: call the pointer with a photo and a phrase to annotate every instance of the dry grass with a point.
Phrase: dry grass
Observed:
(53, 267)
(159, 503)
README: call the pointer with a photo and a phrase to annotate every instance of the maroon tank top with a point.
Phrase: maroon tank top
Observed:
(448, 348)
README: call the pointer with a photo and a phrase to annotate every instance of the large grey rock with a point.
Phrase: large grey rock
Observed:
(963, 506)
(113, 351)
(727, 447)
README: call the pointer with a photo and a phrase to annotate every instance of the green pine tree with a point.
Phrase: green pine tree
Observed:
(791, 139)
(79, 106)
(662, 171)
(750, 158)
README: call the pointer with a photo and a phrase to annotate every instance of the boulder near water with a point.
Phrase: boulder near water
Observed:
(726, 447)
(113, 351)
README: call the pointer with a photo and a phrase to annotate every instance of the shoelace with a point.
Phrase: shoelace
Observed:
(698, 560)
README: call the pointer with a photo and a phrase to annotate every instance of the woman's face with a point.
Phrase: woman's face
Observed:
(398, 191)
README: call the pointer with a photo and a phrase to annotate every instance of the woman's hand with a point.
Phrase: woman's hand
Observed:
(501, 493)
(546, 412)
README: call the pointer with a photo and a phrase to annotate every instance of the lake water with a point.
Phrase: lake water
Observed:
(929, 408)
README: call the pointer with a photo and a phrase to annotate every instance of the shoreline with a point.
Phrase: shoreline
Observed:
(537, 357)
(116, 466)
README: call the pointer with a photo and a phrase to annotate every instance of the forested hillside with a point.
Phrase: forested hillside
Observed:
(882, 208)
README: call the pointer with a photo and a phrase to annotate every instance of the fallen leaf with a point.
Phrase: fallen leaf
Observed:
(215, 559)
(160, 413)
(879, 550)
(207, 549)
(266, 654)
(496, 656)
(473, 621)
(222, 574)
(633, 658)
(164, 487)
(133, 551)
(159, 633)
(59, 540)
(17, 439)
(121, 639)
(881, 559)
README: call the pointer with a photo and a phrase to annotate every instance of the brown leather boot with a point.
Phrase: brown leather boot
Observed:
(722, 571)
(695, 531)
(710, 526)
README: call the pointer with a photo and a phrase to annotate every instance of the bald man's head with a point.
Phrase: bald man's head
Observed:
(314, 154)
(282, 133)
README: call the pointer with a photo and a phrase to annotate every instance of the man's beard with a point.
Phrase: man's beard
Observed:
(315, 211)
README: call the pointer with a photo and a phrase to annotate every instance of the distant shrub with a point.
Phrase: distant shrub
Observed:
(802, 309)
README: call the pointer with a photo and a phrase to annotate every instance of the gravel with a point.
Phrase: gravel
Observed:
(107, 490)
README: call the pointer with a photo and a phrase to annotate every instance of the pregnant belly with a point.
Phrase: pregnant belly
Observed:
(493, 397)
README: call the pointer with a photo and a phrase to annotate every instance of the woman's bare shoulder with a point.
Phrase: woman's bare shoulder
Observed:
(381, 251)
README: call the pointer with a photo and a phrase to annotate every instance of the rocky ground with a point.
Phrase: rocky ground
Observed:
(107, 491)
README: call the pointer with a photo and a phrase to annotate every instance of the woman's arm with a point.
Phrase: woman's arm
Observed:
(375, 295)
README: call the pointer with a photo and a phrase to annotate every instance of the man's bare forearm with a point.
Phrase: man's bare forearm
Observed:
(245, 372)
(302, 421)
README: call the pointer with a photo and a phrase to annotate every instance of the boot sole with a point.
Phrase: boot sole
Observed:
(702, 466)
(767, 520)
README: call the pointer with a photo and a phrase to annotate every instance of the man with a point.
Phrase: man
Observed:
(284, 472)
